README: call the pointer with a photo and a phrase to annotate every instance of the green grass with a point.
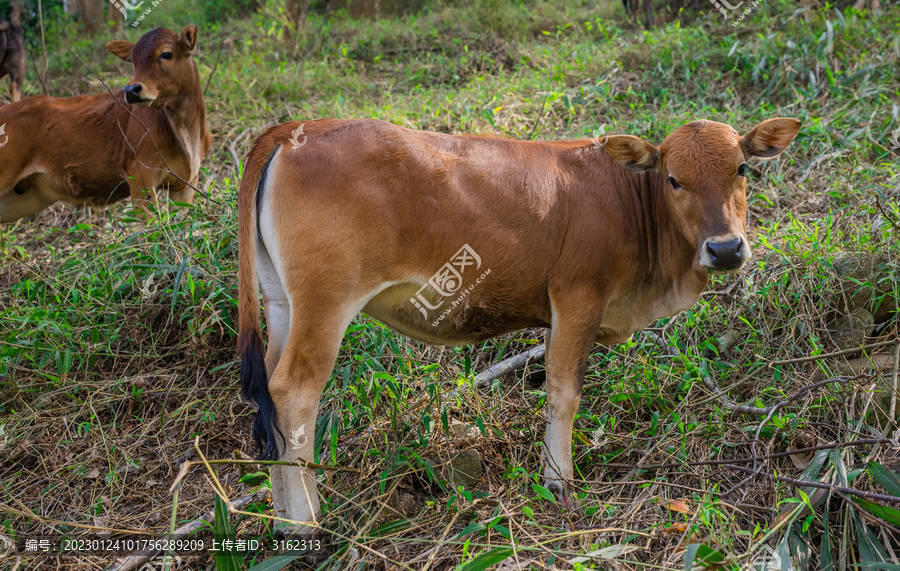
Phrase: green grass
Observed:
(116, 341)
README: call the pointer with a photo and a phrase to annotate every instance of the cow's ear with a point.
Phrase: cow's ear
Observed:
(770, 137)
(120, 48)
(189, 38)
(632, 153)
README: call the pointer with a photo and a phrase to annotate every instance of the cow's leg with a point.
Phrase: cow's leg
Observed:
(186, 194)
(15, 88)
(576, 318)
(304, 366)
(142, 194)
(278, 326)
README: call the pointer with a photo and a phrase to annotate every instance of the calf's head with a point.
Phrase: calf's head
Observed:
(162, 65)
(704, 163)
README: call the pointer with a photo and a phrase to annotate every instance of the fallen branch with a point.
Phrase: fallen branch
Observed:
(509, 365)
(771, 411)
(835, 354)
(670, 350)
(819, 485)
(775, 408)
(870, 516)
(138, 558)
(750, 459)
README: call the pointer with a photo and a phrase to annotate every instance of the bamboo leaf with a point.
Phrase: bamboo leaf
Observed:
(543, 492)
(178, 276)
(278, 562)
(783, 550)
(487, 560)
(826, 562)
(870, 549)
(890, 515)
(706, 556)
(838, 461)
(225, 561)
(889, 480)
(471, 528)
(390, 528)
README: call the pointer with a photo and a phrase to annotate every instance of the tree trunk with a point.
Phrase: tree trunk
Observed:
(15, 16)
(115, 15)
(89, 13)
(296, 12)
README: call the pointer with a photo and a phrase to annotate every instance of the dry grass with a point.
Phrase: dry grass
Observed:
(116, 343)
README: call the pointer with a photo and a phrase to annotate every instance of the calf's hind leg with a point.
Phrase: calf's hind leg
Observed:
(278, 325)
(295, 386)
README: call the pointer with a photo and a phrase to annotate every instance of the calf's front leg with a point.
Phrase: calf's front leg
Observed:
(576, 318)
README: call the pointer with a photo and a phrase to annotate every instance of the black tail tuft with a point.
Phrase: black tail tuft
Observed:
(255, 387)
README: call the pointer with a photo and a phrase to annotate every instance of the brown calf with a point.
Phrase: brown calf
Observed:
(88, 150)
(12, 53)
(454, 240)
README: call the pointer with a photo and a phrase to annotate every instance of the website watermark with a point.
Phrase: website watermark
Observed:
(721, 6)
(448, 282)
(298, 437)
(766, 559)
(895, 138)
(144, 14)
(599, 138)
(5, 136)
(746, 11)
(295, 137)
(118, 544)
(124, 7)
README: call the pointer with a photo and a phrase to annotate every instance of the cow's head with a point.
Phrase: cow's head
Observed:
(162, 65)
(704, 163)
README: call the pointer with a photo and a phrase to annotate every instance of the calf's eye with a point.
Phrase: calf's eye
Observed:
(674, 183)
(165, 55)
(742, 170)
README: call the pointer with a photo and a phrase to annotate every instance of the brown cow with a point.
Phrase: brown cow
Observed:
(454, 240)
(12, 53)
(88, 150)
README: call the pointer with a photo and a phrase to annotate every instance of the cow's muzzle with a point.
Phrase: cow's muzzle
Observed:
(134, 94)
(725, 253)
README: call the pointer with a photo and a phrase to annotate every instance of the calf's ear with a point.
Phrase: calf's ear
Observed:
(189, 38)
(770, 137)
(632, 153)
(120, 48)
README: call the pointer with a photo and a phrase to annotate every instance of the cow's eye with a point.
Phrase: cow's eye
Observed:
(742, 170)
(165, 55)
(674, 182)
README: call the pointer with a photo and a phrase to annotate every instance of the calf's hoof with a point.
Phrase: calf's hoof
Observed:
(562, 492)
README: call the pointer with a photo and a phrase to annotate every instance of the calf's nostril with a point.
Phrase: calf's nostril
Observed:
(725, 253)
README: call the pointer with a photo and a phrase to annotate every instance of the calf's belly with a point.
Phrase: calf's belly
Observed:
(459, 319)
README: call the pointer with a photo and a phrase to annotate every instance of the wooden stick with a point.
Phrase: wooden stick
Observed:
(505, 366)
(835, 354)
(820, 485)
